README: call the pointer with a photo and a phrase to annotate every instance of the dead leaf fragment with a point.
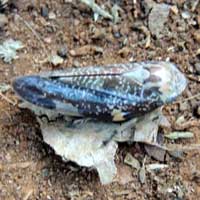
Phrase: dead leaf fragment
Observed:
(142, 175)
(155, 152)
(115, 13)
(155, 167)
(130, 160)
(178, 135)
(178, 154)
(142, 172)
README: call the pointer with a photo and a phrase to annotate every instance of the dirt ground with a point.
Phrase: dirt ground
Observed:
(29, 169)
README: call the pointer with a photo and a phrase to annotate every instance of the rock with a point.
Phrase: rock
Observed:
(62, 52)
(3, 21)
(89, 143)
(157, 18)
(155, 152)
(44, 11)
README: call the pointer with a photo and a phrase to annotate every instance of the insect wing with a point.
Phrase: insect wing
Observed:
(115, 92)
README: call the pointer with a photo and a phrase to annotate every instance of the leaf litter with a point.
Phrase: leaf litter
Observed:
(94, 144)
(100, 11)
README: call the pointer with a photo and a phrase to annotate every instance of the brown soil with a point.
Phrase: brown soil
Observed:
(29, 169)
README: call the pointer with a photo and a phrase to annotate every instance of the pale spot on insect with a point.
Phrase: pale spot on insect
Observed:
(98, 109)
(117, 115)
(110, 106)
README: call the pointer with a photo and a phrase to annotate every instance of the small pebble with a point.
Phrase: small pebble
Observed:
(44, 11)
(76, 22)
(185, 15)
(72, 52)
(52, 15)
(76, 63)
(62, 52)
(56, 60)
